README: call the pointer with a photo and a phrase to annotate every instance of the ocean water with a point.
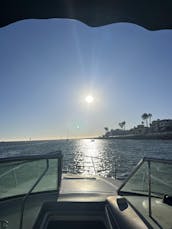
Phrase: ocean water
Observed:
(115, 158)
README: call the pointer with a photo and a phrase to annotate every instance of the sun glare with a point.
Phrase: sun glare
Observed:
(89, 99)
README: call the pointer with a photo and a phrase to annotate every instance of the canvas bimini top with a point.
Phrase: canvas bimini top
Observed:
(150, 14)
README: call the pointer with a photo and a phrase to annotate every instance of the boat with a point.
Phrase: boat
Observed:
(36, 193)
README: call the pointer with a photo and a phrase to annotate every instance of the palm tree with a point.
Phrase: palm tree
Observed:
(150, 117)
(122, 125)
(106, 129)
(107, 132)
(145, 118)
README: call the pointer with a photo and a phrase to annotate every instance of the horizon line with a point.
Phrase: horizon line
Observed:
(43, 139)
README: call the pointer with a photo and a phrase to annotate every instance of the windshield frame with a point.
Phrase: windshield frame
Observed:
(35, 157)
(138, 166)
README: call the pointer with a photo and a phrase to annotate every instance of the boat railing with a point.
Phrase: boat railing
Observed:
(152, 176)
(149, 161)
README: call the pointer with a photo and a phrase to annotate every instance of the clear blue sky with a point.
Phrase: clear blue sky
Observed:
(47, 67)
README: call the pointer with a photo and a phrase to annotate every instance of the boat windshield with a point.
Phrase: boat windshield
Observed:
(20, 176)
(150, 176)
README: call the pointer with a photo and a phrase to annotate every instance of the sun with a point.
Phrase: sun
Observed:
(89, 98)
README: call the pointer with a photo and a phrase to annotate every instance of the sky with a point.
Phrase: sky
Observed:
(48, 67)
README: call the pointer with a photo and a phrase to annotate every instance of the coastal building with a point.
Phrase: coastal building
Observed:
(117, 132)
(164, 125)
(139, 129)
(157, 127)
(161, 125)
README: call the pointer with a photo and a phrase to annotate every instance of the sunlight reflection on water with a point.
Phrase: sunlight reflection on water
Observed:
(82, 162)
(113, 158)
(90, 158)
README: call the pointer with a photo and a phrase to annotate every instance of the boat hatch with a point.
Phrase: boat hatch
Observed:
(149, 189)
(21, 178)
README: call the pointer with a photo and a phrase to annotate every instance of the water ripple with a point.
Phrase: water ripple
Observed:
(109, 157)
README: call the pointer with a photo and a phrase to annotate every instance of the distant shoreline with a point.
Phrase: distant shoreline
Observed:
(160, 136)
(150, 136)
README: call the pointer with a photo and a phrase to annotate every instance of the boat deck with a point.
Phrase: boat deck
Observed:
(74, 188)
(88, 184)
